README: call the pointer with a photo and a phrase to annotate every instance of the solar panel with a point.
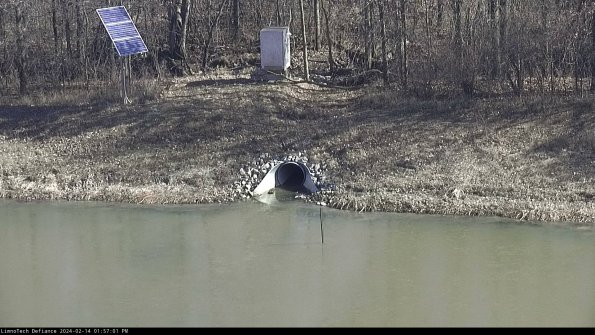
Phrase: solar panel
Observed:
(121, 30)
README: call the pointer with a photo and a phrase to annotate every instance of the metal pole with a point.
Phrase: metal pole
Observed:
(122, 81)
(124, 74)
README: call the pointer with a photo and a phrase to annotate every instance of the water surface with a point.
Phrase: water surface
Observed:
(249, 264)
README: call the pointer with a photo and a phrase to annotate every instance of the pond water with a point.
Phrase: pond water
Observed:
(251, 264)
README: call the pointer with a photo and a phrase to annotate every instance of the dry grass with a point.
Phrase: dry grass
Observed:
(529, 158)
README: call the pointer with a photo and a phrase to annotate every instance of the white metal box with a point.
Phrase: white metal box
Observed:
(275, 48)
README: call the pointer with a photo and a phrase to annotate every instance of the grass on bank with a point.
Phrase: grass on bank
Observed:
(529, 157)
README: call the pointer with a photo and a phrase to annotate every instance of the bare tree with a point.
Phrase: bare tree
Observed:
(317, 24)
(67, 29)
(384, 52)
(502, 29)
(511, 43)
(304, 40)
(236, 10)
(4, 63)
(278, 12)
(494, 39)
(369, 33)
(178, 29)
(213, 23)
(329, 39)
(21, 58)
(79, 29)
(439, 13)
(402, 37)
(55, 26)
(458, 40)
(593, 48)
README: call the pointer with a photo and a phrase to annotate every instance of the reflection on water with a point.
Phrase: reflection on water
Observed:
(277, 197)
(250, 264)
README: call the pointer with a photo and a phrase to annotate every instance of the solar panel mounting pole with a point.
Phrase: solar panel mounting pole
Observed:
(125, 76)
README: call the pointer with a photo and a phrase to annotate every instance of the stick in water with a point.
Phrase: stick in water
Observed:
(321, 230)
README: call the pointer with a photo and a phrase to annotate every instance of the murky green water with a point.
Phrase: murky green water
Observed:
(255, 265)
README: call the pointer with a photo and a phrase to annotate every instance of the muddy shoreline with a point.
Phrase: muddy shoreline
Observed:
(526, 158)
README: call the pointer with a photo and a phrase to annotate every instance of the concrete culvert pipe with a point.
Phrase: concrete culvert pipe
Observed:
(290, 176)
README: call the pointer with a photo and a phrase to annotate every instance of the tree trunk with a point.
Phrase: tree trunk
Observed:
(79, 29)
(2, 27)
(439, 13)
(317, 24)
(578, 46)
(495, 39)
(369, 45)
(548, 64)
(462, 71)
(175, 30)
(329, 39)
(403, 43)
(3, 65)
(593, 50)
(178, 29)
(186, 6)
(458, 37)
(383, 32)
(305, 46)
(85, 44)
(55, 26)
(67, 30)
(502, 41)
(236, 19)
(429, 68)
(279, 19)
(21, 56)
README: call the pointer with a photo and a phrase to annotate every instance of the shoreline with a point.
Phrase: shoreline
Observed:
(531, 159)
(524, 212)
(454, 202)
(529, 212)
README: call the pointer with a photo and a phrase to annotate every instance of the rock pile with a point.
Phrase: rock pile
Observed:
(252, 174)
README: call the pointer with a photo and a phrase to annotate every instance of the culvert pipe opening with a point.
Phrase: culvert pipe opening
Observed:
(290, 176)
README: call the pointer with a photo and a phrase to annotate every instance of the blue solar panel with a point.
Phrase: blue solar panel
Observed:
(122, 31)
(113, 14)
(130, 46)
